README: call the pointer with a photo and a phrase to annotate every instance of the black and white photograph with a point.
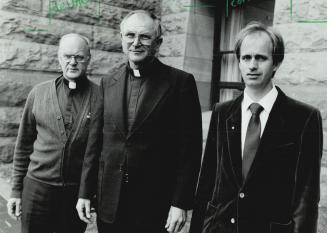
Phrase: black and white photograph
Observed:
(163, 116)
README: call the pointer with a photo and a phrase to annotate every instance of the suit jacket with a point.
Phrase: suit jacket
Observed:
(163, 148)
(281, 191)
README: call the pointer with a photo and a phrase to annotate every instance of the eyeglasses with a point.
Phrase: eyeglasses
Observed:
(78, 58)
(143, 38)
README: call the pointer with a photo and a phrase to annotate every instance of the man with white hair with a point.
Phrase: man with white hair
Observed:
(50, 145)
(146, 139)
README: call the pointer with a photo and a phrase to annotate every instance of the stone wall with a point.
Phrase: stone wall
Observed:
(30, 31)
(303, 74)
(29, 34)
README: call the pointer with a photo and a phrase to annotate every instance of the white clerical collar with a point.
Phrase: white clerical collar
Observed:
(136, 73)
(71, 84)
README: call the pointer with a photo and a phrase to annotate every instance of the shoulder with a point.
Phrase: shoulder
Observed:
(41, 88)
(296, 112)
(175, 72)
(297, 108)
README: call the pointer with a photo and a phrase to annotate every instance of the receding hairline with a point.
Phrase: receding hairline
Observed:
(259, 33)
(76, 35)
(153, 17)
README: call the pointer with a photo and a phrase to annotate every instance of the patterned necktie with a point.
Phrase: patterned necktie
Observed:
(252, 138)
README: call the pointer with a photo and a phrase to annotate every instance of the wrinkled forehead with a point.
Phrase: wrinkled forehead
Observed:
(73, 45)
(140, 23)
(256, 43)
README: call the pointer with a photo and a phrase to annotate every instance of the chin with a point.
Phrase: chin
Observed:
(134, 58)
(73, 76)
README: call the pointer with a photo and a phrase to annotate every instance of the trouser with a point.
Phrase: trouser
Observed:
(48, 209)
(125, 222)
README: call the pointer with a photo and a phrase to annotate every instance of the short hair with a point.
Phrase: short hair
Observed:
(156, 20)
(278, 49)
(84, 38)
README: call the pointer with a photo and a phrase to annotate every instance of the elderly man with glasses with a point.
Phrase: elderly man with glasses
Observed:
(51, 145)
(145, 141)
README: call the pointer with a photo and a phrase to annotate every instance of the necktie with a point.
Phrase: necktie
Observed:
(252, 138)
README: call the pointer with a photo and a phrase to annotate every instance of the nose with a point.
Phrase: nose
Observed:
(72, 61)
(136, 41)
(253, 65)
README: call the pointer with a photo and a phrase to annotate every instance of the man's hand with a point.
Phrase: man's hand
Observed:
(14, 207)
(83, 207)
(176, 219)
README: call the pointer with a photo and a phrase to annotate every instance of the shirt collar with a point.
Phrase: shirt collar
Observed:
(80, 83)
(266, 102)
(145, 71)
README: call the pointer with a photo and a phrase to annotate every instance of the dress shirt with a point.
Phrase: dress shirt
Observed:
(70, 100)
(266, 102)
(134, 91)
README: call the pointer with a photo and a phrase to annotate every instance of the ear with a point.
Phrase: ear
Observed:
(159, 42)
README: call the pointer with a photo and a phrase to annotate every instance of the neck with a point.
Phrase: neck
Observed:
(79, 79)
(140, 65)
(257, 94)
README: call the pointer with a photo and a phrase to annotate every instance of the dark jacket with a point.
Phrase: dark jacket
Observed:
(162, 151)
(281, 191)
(43, 151)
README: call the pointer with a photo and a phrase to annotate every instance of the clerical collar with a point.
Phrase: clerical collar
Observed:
(146, 70)
(75, 84)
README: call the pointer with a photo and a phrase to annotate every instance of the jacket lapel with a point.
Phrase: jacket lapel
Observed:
(233, 129)
(274, 132)
(116, 95)
(154, 90)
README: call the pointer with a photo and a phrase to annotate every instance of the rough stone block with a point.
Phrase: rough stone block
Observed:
(150, 5)
(40, 57)
(303, 68)
(299, 37)
(92, 13)
(9, 121)
(7, 146)
(104, 63)
(13, 93)
(29, 28)
(175, 23)
(301, 10)
(175, 6)
(28, 56)
(32, 7)
(314, 95)
(173, 46)
(106, 39)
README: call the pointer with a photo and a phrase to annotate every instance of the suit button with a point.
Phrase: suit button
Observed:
(58, 117)
(242, 195)
(62, 132)
(232, 220)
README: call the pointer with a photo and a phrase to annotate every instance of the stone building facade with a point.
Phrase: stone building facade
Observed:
(30, 31)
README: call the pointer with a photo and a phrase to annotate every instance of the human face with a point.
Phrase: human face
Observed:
(256, 62)
(73, 57)
(139, 39)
